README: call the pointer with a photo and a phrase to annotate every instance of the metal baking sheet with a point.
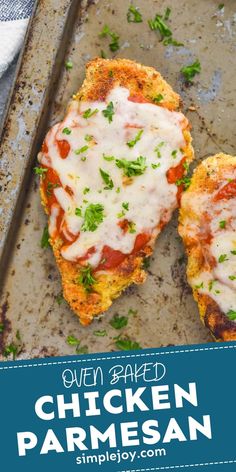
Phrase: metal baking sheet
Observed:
(162, 311)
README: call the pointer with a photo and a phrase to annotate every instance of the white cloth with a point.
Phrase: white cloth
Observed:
(14, 17)
(12, 35)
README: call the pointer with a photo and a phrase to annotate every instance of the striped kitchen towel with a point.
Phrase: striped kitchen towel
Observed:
(14, 17)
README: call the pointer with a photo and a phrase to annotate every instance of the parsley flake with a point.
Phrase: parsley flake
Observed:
(222, 224)
(100, 332)
(174, 153)
(86, 278)
(136, 139)
(40, 171)
(69, 65)
(109, 112)
(81, 150)
(59, 298)
(108, 158)
(72, 340)
(107, 179)
(93, 217)
(11, 349)
(86, 190)
(173, 42)
(134, 15)
(114, 44)
(157, 149)
(125, 344)
(190, 71)
(223, 258)
(88, 137)
(78, 212)
(232, 315)
(132, 168)
(185, 181)
(132, 227)
(158, 98)
(66, 131)
(125, 205)
(89, 112)
(159, 24)
(45, 238)
(201, 285)
(118, 322)
(232, 277)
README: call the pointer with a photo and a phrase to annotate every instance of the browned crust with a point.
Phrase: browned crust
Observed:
(207, 178)
(101, 76)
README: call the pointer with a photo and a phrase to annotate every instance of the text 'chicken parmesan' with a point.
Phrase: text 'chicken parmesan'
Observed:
(208, 228)
(112, 174)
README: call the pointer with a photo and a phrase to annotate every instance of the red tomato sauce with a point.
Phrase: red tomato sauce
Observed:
(50, 181)
(44, 148)
(138, 98)
(64, 148)
(175, 173)
(112, 258)
(226, 192)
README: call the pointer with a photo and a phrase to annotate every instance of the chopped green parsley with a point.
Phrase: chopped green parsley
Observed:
(190, 71)
(157, 149)
(107, 179)
(88, 137)
(86, 190)
(232, 315)
(114, 44)
(45, 238)
(109, 112)
(185, 181)
(223, 258)
(69, 65)
(136, 139)
(89, 112)
(93, 217)
(108, 158)
(125, 344)
(125, 205)
(40, 171)
(159, 24)
(132, 227)
(118, 322)
(222, 224)
(59, 298)
(158, 98)
(134, 15)
(81, 150)
(72, 340)
(174, 153)
(132, 168)
(66, 131)
(86, 278)
(100, 332)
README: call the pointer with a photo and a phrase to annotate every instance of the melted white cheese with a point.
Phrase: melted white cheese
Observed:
(150, 197)
(218, 282)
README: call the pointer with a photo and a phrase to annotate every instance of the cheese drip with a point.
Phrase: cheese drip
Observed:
(97, 143)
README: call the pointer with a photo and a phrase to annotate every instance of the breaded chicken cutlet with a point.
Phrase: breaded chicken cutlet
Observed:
(207, 224)
(112, 173)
